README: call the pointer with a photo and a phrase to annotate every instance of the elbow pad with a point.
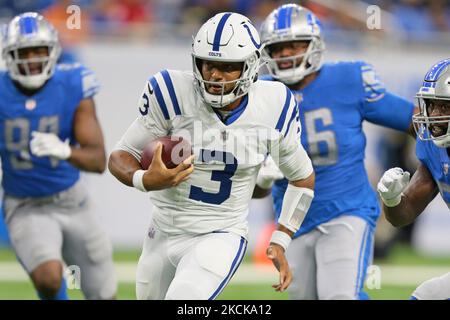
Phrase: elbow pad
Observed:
(296, 203)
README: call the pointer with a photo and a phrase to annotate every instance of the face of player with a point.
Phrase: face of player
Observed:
(438, 108)
(288, 49)
(216, 71)
(32, 53)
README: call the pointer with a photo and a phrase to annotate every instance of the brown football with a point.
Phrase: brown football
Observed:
(175, 150)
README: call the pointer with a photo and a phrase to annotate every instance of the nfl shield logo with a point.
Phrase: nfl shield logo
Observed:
(151, 232)
(445, 168)
(224, 135)
(30, 104)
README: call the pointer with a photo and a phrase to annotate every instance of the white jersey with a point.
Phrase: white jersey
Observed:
(227, 156)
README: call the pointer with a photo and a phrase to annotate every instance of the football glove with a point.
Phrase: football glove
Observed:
(391, 186)
(49, 145)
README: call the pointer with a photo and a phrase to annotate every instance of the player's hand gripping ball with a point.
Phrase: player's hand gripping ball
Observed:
(174, 151)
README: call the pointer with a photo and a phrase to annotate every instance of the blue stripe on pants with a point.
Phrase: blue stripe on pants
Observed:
(236, 262)
(365, 258)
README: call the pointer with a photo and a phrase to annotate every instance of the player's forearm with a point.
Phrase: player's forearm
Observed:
(301, 198)
(305, 183)
(88, 158)
(296, 202)
(402, 214)
(259, 193)
(404, 201)
(410, 207)
(282, 228)
(123, 165)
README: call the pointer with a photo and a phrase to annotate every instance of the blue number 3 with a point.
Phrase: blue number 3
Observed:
(145, 105)
(223, 176)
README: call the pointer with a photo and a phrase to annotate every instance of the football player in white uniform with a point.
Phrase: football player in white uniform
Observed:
(197, 237)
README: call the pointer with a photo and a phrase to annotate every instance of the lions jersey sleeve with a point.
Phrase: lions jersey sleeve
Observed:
(380, 106)
(81, 81)
(438, 163)
(90, 85)
(288, 152)
(151, 123)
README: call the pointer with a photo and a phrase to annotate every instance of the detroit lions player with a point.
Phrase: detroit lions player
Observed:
(333, 247)
(48, 133)
(197, 238)
(403, 200)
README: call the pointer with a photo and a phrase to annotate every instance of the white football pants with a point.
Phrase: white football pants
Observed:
(434, 289)
(330, 261)
(187, 267)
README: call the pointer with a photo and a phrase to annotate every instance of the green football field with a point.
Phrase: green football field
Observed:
(400, 275)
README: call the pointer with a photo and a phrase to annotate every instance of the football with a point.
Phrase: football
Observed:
(174, 151)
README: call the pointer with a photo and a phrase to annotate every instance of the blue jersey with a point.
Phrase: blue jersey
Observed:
(51, 109)
(332, 110)
(437, 161)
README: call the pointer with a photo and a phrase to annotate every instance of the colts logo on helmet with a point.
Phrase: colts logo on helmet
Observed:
(256, 44)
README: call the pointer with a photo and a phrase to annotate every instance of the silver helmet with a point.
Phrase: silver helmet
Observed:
(24, 31)
(436, 86)
(292, 22)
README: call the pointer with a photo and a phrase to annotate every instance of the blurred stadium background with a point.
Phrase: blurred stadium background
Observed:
(126, 41)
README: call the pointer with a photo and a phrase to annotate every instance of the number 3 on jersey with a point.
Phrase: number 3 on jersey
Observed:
(223, 176)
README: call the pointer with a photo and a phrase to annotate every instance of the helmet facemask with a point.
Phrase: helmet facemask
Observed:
(241, 87)
(424, 123)
(310, 61)
(19, 69)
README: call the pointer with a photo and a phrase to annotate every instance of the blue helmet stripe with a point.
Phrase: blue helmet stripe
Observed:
(219, 30)
(171, 90)
(282, 18)
(257, 45)
(27, 25)
(436, 70)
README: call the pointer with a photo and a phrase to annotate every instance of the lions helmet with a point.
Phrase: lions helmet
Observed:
(287, 23)
(436, 86)
(226, 37)
(24, 31)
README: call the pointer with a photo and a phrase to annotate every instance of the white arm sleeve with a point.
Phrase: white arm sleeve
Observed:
(296, 203)
(149, 125)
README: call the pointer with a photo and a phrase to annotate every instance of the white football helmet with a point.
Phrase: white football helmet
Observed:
(24, 31)
(436, 86)
(226, 37)
(291, 22)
